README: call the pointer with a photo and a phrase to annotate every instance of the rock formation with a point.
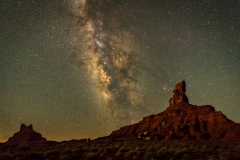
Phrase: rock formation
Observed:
(179, 94)
(183, 121)
(26, 135)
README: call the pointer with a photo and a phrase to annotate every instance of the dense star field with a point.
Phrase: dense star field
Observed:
(82, 68)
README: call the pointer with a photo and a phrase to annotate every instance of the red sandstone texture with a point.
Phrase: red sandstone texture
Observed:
(26, 135)
(183, 121)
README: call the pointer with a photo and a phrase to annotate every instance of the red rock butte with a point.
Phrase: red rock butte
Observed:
(182, 121)
(26, 135)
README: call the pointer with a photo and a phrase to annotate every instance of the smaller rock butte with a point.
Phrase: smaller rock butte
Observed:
(182, 121)
(26, 135)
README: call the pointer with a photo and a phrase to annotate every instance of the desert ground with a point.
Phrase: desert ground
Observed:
(118, 150)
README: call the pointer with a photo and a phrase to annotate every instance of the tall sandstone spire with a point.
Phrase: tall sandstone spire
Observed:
(179, 94)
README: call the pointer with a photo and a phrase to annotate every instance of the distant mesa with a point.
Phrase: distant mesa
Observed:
(181, 121)
(26, 135)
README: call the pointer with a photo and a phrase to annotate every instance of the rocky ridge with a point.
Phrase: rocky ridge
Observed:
(182, 121)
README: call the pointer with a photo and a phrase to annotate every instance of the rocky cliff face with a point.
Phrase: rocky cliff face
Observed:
(26, 135)
(183, 121)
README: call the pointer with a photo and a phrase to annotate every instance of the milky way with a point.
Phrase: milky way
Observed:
(106, 51)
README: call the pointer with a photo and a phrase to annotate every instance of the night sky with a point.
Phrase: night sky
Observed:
(83, 68)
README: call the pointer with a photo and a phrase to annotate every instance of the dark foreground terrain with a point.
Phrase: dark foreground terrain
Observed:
(139, 150)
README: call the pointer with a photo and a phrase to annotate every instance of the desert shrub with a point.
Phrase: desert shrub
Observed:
(121, 151)
(149, 156)
(225, 147)
(214, 147)
(212, 157)
(203, 148)
(91, 156)
(67, 151)
(52, 153)
(109, 158)
(131, 154)
(5, 156)
(137, 148)
(34, 156)
(80, 149)
(93, 149)
(84, 148)
(223, 156)
(23, 148)
(139, 154)
(180, 152)
(64, 157)
(162, 150)
(72, 156)
(196, 148)
(185, 156)
(117, 145)
(172, 149)
(108, 149)
(102, 152)
(191, 149)
(150, 148)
